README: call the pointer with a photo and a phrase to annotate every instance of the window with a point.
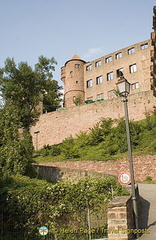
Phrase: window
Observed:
(131, 50)
(144, 46)
(109, 76)
(89, 67)
(99, 80)
(118, 55)
(77, 65)
(100, 96)
(119, 72)
(71, 74)
(98, 63)
(89, 83)
(108, 59)
(111, 94)
(135, 86)
(133, 68)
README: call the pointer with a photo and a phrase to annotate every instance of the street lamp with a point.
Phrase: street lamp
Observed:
(36, 133)
(124, 89)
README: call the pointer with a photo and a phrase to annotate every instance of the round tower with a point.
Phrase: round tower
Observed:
(72, 75)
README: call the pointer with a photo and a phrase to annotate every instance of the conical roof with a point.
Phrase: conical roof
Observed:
(76, 57)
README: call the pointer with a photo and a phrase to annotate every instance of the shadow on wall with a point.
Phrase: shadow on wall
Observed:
(144, 213)
(55, 174)
(50, 174)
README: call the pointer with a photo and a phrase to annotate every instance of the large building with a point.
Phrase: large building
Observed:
(96, 80)
(153, 54)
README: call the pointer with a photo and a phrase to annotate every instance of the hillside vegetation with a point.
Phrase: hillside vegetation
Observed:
(105, 141)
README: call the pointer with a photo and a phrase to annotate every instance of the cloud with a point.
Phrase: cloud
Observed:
(93, 52)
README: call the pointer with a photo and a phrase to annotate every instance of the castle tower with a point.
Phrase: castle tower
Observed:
(72, 75)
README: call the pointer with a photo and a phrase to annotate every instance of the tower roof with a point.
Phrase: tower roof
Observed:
(76, 57)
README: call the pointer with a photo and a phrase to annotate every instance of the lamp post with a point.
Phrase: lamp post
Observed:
(36, 133)
(124, 89)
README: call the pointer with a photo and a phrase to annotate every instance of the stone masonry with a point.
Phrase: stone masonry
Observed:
(143, 166)
(120, 219)
(54, 127)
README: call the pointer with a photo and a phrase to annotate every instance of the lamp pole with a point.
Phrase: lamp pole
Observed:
(36, 133)
(124, 89)
(134, 200)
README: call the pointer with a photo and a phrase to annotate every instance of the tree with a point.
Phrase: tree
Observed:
(16, 146)
(51, 91)
(23, 87)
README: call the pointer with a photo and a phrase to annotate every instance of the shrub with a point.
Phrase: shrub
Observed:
(55, 150)
(148, 179)
(69, 149)
(27, 204)
(83, 139)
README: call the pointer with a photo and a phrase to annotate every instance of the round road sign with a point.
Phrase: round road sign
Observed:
(43, 231)
(124, 178)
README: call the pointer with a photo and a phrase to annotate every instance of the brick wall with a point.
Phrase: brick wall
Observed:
(120, 218)
(143, 166)
(54, 127)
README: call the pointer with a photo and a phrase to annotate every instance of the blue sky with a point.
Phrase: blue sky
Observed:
(62, 28)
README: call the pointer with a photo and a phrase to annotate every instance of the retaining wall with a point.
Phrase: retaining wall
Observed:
(54, 127)
(143, 166)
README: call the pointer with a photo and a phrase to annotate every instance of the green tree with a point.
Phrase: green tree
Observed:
(23, 87)
(16, 144)
(51, 90)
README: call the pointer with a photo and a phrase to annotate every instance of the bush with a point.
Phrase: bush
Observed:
(148, 179)
(55, 150)
(83, 139)
(104, 141)
(69, 149)
(27, 204)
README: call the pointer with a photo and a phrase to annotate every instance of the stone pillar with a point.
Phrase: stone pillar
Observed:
(120, 219)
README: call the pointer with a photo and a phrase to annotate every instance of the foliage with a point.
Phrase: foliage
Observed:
(148, 178)
(83, 139)
(29, 204)
(78, 100)
(16, 147)
(53, 150)
(23, 87)
(51, 90)
(107, 140)
(69, 148)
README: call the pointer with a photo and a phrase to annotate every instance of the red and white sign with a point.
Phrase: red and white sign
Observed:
(124, 178)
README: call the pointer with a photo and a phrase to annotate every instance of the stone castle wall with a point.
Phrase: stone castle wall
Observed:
(54, 127)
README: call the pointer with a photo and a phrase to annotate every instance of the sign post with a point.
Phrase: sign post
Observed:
(124, 178)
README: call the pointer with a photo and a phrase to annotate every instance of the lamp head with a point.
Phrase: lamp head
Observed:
(123, 86)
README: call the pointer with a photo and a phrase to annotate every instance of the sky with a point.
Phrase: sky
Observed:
(62, 28)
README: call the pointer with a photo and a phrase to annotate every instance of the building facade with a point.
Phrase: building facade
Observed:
(85, 82)
(153, 54)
